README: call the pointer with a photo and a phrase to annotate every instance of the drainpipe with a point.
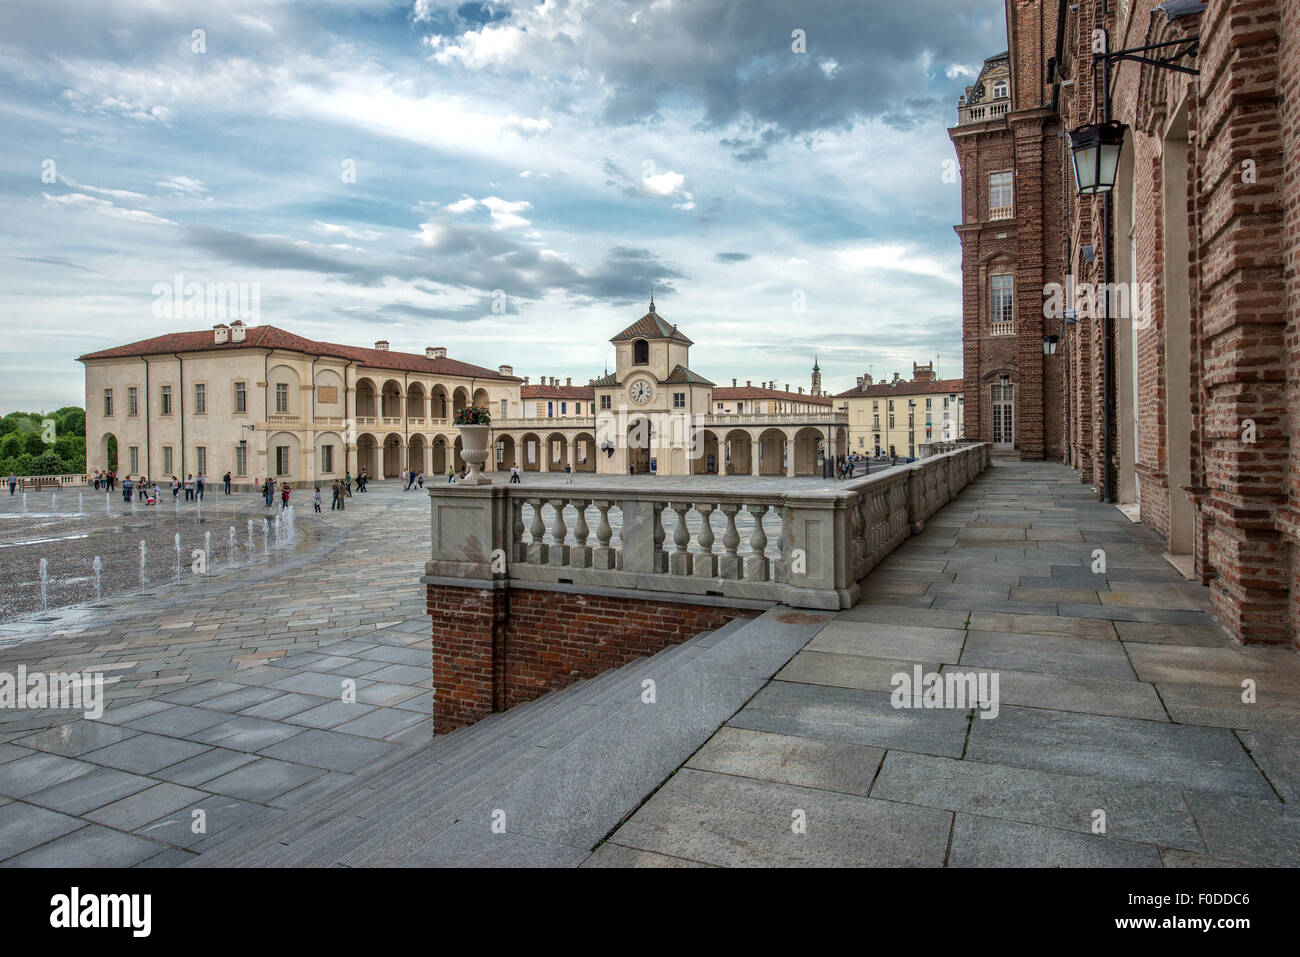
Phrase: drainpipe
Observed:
(1108, 324)
(148, 443)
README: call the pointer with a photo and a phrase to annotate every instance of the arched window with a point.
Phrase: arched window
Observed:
(640, 352)
(1000, 90)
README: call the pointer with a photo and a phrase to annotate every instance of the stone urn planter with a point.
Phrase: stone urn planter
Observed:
(475, 436)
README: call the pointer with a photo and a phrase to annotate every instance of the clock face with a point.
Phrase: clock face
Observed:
(641, 392)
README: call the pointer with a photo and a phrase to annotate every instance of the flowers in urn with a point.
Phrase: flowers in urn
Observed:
(473, 415)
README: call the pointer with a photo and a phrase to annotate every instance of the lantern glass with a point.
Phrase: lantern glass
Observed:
(1096, 149)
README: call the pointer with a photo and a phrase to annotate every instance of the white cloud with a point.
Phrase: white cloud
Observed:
(527, 126)
(183, 184)
(462, 205)
(103, 191)
(504, 213)
(334, 229)
(83, 201)
(663, 184)
(955, 70)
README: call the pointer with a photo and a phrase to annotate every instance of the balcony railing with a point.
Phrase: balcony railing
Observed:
(982, 112)
(805, 547)
(1001, 212)
(1002, 329)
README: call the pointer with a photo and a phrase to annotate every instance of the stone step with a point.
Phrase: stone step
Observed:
(451, 767)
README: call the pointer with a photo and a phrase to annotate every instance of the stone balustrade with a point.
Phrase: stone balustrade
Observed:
(684, 543)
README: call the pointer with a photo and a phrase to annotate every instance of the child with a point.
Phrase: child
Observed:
(284, 495)
(316, 500)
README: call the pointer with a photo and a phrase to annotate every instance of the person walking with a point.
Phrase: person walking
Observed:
(336, 501)
(127, 485)
(225, 480)
(13, 482)
(315, 500)
(514, 475)
(568, 474)
(420, 480)
(199, 481)
(451, 474)
(284, 495)
(362, 478)
(347, 481)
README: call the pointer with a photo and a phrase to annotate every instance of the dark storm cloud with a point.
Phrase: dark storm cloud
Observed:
(732, 257)
(53, 261)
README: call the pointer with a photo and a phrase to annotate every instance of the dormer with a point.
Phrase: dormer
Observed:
(220, 334)
(238, 331)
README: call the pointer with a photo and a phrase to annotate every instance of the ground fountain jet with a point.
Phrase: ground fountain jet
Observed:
(252, 549)
(231, 554)
(178, 558)
(96, 566)
(207, 553)
(143, 552)
(45, 575)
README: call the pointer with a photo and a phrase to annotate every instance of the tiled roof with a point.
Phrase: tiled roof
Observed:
(651, 326)
(753, 392)
(606, 380)
(271, 337)
(905, 387)
(682, 375)
(582, 392)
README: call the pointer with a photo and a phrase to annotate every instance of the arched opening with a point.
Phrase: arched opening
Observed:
(439, 404)
(391, 400)
(772, 451)
(415, 405)
(505, 452)
(329, 455)
(584, 452)
(459, 399)
(707, 460)
(557, 451)
(639, 437)
(392, 456)
(283, 457)
(640, 352)
(808, 443)
(368, 455)
(439, 449)
(367, 407)
(481, 399)
(415, 454)
(738, 453)
(108, 451)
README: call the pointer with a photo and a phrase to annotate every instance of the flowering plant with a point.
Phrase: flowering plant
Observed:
(473, 415)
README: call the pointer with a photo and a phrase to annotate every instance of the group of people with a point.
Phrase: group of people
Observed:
(411, 479)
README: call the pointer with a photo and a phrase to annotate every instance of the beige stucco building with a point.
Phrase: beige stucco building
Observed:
(258, 401)
(898, 417)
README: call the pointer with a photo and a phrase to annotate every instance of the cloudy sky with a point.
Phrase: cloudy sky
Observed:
(505, 179)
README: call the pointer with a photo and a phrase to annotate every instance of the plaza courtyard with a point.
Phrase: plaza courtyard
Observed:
(1118, 695)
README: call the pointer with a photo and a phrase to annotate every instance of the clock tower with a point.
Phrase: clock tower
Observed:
(651, 382)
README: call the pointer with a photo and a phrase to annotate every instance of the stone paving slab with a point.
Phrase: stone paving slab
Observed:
(988, 842)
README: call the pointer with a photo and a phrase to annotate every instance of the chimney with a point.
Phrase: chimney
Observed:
(382, 345)
(237, 331)
(859, 383)
(569, 381)
(896, 377)
(787, 387)
(801, 390)
(430, 352)
(748, 383)
(220, 333)
(505, 370)
(733, 383)
(525, 380)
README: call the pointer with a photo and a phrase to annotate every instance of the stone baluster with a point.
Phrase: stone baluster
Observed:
(537, 549)
(679, 563)
(660, 561)
(559, 554)
(580, 554)
(518, 549)
(706, 564)
(756, 565)
(602, 556)
(729, 562)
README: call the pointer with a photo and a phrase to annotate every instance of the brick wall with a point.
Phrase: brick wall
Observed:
(495, 649)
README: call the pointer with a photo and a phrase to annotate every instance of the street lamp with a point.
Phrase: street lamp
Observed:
(1049, 345)
(1096, 148)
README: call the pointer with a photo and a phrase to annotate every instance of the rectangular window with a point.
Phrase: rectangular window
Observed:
(132, 401)
(875, 421)
(945, 403)
(999, 191)
(503, 408)
(200, 398)
(167, 460)
(241, 459)
(327, 394)
(282, 460)
(927, 403)
(564, 408)
(241, 396)
(891, 421)
(550, 409)
(327, 459)
(135, 458)
(281, 399)
(875, 406)
(592, 410)
(1001, 304)
(679, 400)
(108, 402)
(201, 459)
(604, 402)
(166, 400)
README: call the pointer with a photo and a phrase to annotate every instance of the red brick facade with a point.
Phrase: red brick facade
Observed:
(495, 649)
(1205, 225)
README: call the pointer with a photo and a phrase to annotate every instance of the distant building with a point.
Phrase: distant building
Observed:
(897, 417)
(549, 400)
(259, 401)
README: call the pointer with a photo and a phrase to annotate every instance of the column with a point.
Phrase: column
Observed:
(755, 453)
